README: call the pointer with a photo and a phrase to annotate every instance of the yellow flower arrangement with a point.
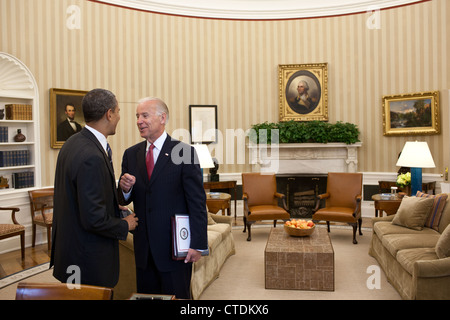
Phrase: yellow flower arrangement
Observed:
(404, 180)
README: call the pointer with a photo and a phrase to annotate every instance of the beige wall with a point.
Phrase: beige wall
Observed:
(233, 64)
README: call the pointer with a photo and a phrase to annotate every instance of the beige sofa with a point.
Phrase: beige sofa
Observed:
(205, 271)
(414, 254)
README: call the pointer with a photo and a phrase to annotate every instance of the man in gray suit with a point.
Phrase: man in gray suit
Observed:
(86, 216)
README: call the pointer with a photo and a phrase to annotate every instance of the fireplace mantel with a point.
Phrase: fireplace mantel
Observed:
(294, 158)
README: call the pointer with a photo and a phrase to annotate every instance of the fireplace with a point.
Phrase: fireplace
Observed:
(308, 158)
(301, 191)
(302, 169)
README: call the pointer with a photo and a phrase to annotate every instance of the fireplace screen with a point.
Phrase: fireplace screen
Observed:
(301, 192)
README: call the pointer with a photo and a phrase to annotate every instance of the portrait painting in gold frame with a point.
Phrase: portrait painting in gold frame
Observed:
(66, 115)
(411, 114)
(303, 92)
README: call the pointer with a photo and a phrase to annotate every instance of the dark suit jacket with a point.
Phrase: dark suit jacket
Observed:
(174, 188)
(65, 130)
(86, 223)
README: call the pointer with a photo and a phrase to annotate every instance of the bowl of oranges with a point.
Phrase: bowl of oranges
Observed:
(299, 227)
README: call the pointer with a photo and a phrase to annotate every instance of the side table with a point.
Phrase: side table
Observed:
(214, 185)
(390, 206)
(218, 201)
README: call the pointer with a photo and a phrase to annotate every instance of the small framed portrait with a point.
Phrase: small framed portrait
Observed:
(411, 114)
(66, 115)
(303, 92)
(203, 123)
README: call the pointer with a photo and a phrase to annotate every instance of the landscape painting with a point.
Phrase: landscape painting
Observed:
(411, 114)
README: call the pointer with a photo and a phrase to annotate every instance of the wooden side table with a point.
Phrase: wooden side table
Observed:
(390, 206)
(218, 201)
(214, 185)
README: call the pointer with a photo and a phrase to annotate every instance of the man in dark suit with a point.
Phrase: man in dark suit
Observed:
(175, 186)
(69, 126)
(86, 215)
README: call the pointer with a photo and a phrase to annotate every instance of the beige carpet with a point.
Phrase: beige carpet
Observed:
(242, 276)
(9, 292)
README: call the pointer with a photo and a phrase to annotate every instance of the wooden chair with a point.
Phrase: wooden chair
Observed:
(259, 192)
(343, 201)
(9, 230)
(61, 291)
(41, 201)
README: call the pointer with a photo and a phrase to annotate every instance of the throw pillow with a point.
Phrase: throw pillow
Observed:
(434, 217)
(210, 219)
(443, 244)
(412, 212)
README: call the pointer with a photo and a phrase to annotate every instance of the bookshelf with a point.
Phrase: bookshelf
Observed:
(19, 100)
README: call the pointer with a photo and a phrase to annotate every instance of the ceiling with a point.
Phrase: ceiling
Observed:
(258, 9)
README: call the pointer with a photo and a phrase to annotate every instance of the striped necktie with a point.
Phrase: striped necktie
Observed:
(108, 149)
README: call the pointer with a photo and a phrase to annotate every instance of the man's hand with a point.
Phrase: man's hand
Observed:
(126, 182)
(132, 221)
(193, 256)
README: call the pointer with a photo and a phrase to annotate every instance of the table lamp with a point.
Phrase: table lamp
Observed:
(204, 156)
(416, 155)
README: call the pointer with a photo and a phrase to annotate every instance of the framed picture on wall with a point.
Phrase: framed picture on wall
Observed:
(303, 92)
(203, 123)
(411, 114)
(66, 115)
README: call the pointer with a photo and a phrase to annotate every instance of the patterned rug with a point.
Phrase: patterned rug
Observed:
(19, 276)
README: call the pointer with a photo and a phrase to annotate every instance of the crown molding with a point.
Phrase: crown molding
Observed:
(258, 9)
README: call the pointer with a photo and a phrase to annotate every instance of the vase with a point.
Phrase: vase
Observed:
(406, 190)
(19, 137)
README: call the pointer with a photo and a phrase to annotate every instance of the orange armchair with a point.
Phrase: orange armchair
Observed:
(343, 201)
(259, 192)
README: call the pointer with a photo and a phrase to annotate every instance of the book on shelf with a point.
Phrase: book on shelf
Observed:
(23, 179)
(3, 134)
(13, 158)
(19, 111)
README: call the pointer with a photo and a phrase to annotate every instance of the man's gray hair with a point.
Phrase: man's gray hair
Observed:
(161, 106)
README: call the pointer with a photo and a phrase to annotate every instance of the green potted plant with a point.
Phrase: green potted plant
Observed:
(404, 182)
(304, 132)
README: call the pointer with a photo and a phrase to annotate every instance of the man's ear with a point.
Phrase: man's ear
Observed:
(109, 114)
(163, 118)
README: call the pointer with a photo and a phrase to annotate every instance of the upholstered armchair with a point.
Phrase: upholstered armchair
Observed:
(259, 192)
(342, 201)
(41, 202)
(8, 230)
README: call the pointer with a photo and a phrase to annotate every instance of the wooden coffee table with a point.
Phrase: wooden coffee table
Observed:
(302, 263)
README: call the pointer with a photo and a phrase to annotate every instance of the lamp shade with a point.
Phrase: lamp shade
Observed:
(204, 156)
(416, 154)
